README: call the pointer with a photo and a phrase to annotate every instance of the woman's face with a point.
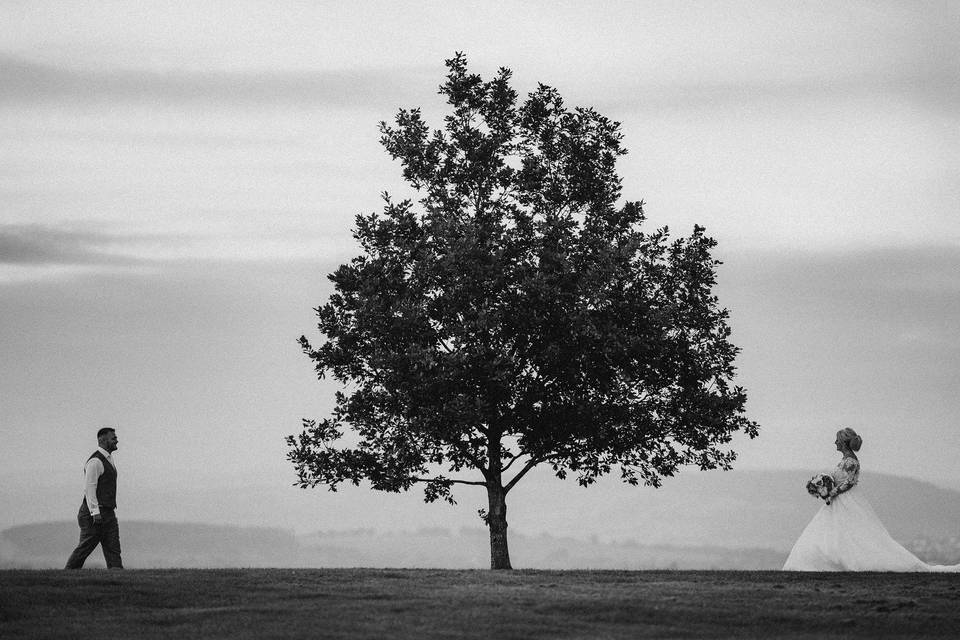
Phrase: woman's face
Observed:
(839, 442)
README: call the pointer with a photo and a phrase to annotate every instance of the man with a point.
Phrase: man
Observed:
(97, 517)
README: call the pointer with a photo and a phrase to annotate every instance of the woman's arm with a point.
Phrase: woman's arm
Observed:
(845, 477)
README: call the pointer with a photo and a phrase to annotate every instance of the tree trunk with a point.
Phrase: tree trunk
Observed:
(497, 522)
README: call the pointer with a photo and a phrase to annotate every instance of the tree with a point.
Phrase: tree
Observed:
(515, 316)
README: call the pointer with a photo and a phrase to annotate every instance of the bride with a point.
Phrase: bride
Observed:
(846, 535)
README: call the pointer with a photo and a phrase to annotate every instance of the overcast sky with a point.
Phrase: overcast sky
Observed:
(176, 179)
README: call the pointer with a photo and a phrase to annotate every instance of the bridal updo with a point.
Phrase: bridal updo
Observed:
(851, 437)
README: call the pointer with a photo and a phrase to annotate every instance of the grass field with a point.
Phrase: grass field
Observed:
(372, 603)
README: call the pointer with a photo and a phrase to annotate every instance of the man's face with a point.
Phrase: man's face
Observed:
(109, 441)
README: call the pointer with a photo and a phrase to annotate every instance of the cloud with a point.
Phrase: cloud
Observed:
(849, 337)
(932, 89)
(851, 274)
(867, 318)
(30, 82)
(826, 339)
(33, 252)
(34, 244)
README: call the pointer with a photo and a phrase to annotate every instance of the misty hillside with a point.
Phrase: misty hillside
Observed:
(736, 508)
(153, 544)
(757, 509)
(163, 545)
(735, 520)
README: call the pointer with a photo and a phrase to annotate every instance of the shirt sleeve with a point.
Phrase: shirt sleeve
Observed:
(92, 472)
(846, 476)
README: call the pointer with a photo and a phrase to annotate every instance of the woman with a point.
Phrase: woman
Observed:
(846, 535)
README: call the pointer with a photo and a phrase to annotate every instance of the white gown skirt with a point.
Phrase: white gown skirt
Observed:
(847, 535)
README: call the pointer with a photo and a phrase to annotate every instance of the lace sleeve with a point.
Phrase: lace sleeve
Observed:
(846, 475)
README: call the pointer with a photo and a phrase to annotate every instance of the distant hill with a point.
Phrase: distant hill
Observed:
(154, 544)
(166, 545)
(470, 548)
(749, 508)
(738, 519)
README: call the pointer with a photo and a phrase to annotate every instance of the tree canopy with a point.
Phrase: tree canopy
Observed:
(516, 315)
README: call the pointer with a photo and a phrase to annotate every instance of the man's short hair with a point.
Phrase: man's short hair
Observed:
(104, 432)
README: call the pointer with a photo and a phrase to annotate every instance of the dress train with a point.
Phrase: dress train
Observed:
(847, 535)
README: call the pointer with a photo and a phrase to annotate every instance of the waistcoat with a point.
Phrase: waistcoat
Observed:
(106, 484)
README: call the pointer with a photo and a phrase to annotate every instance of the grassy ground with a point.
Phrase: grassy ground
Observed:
(370, 603)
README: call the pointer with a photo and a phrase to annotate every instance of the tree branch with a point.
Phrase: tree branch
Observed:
(477, 463)
(530, 465)
(471, 482)
(443, 343)
(512, 460)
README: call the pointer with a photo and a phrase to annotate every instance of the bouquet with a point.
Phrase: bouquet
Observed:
(820, 486)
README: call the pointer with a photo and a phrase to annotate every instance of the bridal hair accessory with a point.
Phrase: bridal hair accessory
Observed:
(853, 440)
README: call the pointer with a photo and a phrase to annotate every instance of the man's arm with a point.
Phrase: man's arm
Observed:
(92, 472)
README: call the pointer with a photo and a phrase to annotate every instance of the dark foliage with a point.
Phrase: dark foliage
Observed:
(516, 316)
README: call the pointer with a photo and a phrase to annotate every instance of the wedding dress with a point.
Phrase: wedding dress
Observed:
(846, 535)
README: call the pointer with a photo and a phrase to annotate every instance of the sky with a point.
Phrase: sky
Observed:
(176, 180)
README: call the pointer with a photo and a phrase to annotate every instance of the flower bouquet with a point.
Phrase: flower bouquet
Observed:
(820, 486)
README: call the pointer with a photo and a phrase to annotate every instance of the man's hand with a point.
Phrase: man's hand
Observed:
(97, 519)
